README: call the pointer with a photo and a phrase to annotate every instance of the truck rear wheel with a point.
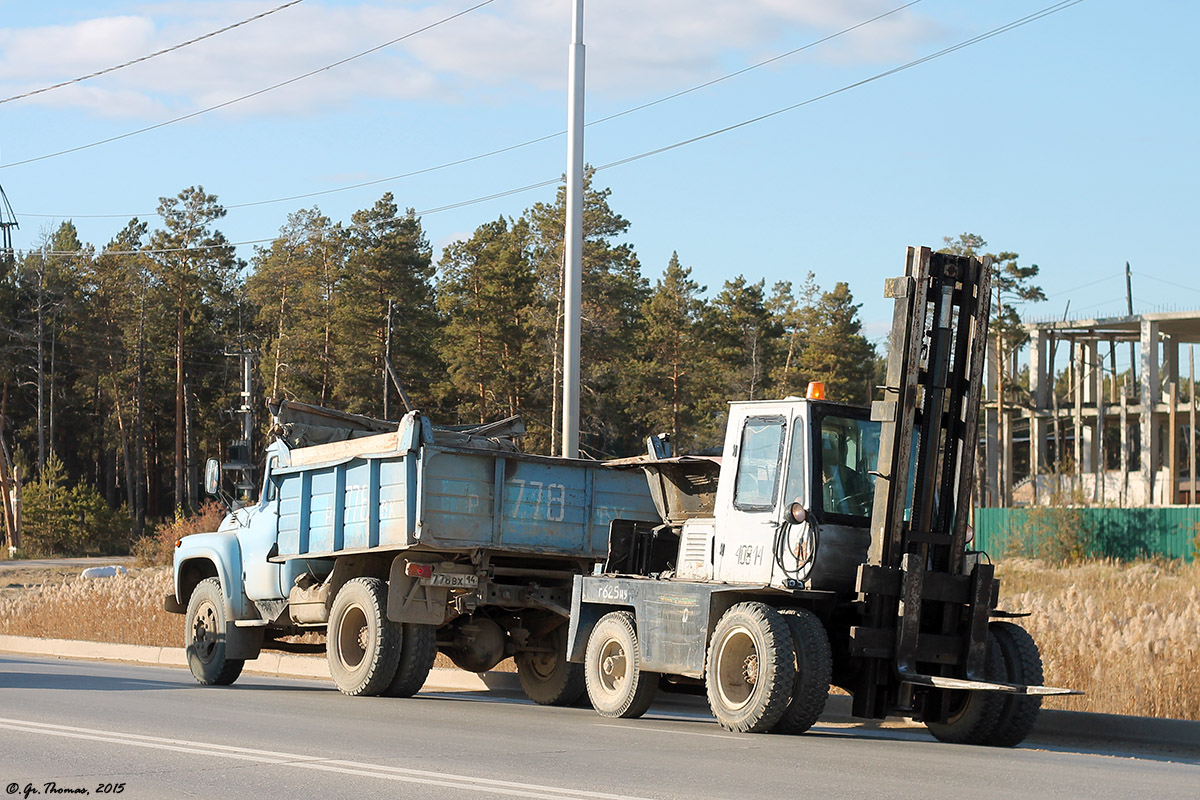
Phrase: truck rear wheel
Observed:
(547, 678)
(814, 665)
(204, 637)
(418, 649)
(616, 684)
(362, 644)
(1023, 665)
(751, 668)
(973, 715)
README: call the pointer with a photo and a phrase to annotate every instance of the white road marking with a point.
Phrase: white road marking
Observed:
(648, 729)
(379, 771)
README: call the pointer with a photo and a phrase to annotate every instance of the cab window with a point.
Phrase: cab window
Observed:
(793, 491)
(759, 458)
(847, 454)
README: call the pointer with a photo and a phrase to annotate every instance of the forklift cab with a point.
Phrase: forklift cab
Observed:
(794, 500)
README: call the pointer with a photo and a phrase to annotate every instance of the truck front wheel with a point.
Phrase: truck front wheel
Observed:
(751, 668)
(616, 684)
(362, 644)
(204, 638)
(546, 676)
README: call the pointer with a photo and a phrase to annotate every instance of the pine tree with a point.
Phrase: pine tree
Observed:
(487, 293)
(835, 351)
(295, 289)
(1012, 287)
(675, 373)
(745, 337)
(194, 273)
(613, 293)
(388, 258)
(115, 285)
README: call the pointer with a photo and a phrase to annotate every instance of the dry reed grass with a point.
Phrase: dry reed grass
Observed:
(1126, 634)
(126, 609)
(123, 610)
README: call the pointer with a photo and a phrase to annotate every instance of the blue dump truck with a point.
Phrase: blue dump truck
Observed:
(828, 544)
(397, 540)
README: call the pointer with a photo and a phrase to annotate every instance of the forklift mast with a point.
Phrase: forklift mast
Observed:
(926, 607)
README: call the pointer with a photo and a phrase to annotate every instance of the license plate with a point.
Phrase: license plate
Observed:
(452, 580)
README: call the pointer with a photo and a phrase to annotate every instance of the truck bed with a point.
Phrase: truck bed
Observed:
(374, 493)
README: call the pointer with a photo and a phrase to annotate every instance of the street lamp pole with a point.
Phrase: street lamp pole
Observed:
(573, 241)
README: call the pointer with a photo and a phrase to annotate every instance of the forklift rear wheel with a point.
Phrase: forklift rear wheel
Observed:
(751, 668)
(362, 644)
(204, 637)
(616, 684)
(1023, 664)
(418, 650)
(814, 665)
(546, 676)
(973, 715)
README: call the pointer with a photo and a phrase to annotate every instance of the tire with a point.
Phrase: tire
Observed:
(418, 649)
(751, 668)
(1023, 665)
(362, 644)
(547, 678)
(814, 666)
(973, 715)
(616, 683)
(204, 637)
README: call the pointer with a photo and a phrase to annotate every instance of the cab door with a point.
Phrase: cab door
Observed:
(751, 507)
(261, 579)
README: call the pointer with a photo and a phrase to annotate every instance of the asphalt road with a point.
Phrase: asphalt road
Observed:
(152, 730)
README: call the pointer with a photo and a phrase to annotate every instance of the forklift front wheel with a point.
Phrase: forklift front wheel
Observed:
(972, 716)
(751, 668)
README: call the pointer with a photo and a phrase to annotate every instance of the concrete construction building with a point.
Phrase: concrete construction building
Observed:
(1103, 438)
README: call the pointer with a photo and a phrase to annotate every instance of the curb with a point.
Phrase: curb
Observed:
(1179, 736)
(1055, 728)
(271, 663)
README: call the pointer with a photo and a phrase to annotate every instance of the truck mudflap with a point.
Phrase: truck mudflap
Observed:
(172, 605)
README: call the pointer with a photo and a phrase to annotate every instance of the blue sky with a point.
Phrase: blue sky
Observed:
(1072, 140)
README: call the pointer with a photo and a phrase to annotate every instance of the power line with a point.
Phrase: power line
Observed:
(1047, 11)
(1169, 283)
(271, 88)
(1073, 289)
(171, 49)
(519, 145)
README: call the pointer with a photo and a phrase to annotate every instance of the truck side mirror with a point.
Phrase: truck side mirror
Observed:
(212, 477)
(796, 513)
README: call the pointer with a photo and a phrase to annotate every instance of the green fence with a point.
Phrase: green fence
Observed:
(1124, 533)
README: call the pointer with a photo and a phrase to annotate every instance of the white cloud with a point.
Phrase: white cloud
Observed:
(634, 48)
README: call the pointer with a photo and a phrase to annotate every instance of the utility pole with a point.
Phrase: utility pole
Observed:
(242, 454)
(573, 240)
(387, 360)
(8, 223)
(1129, 308)
(10, 476)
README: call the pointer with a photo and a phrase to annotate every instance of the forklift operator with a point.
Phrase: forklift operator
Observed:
(844, 491)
